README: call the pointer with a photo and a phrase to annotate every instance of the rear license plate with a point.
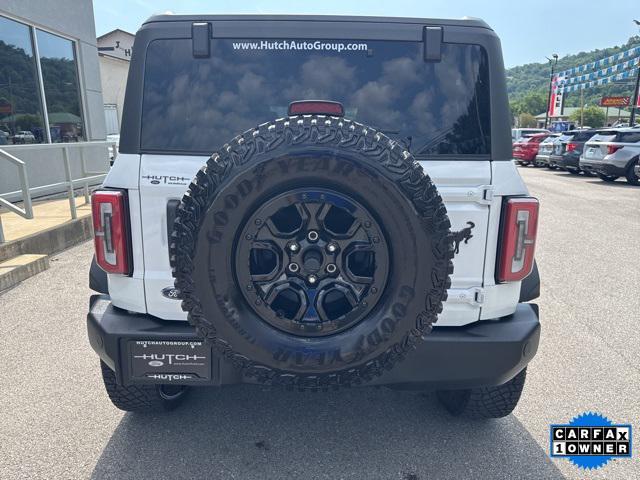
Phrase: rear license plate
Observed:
(169, 361)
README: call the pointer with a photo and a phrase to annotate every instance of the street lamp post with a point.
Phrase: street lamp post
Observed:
(553, 62)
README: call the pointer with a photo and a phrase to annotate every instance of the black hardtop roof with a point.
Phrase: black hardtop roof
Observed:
(462, 22)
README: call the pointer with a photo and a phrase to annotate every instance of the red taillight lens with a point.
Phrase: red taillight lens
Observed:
(571, 147)
(613, 149)
(519, 229)
(316, 107)
(111, 232)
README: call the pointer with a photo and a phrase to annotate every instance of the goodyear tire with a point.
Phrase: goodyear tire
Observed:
(141, 398)
(365, 227)
(484, 402)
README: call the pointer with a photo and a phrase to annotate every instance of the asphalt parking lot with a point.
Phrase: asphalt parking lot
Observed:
(58, 423)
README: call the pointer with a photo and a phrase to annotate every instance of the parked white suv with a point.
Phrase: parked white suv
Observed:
(518, 133)
(612, 154)
(24, 136)
(307, 214)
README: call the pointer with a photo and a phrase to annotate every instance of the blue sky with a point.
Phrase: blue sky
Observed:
(529, 30)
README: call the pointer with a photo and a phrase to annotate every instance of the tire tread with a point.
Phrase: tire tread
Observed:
(334, 132)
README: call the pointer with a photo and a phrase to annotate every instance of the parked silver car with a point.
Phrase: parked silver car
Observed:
(545, 150)
(613, 154)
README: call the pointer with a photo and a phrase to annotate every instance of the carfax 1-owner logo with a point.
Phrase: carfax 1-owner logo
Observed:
(590, 440)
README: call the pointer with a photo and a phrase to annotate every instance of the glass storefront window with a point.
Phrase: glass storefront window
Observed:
(21, 119)
(61, 89)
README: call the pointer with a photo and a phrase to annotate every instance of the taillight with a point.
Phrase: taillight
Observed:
(111, 232)
(613, 149)
(571, 147)
(518, 238)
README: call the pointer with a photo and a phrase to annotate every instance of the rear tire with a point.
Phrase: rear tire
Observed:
(631, 176)
(573, 171)
(608, 178)
(141, 398)
(485, 402)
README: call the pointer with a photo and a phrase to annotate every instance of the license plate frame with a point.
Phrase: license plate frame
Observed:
(169, 361)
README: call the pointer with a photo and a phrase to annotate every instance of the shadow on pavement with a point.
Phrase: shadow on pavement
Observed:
(620, 183)
(248, 432)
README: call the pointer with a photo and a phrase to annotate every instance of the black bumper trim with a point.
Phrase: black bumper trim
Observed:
(570, 161)
(603, 169)
(542, 159)
(485, 353)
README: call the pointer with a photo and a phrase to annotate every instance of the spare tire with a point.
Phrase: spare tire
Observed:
(312, 252)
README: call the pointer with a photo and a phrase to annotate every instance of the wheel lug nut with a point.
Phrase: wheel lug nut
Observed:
(313, 236)
(332, 248)
(294, 267)
(312, 279)
(331, 268)
(294, 247)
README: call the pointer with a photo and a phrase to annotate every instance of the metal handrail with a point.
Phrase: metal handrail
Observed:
(87, 177)
(27, 211)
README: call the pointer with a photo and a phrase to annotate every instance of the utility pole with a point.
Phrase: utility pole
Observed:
(581, 107)
(634, 107)
(632, 118)
(553, 64)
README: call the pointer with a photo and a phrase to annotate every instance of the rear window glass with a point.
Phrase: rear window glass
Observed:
(601, 137)
(566, 138)
(584, 136)
(629, 137)
(198, 104)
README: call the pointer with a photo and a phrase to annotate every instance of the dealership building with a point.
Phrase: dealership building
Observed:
(114, 50)
(51, 103)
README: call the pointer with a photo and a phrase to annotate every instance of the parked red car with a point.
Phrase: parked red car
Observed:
(526, 149)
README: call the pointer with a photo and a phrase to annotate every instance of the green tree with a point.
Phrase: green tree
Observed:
(593, 116)
(534, 103)
(534, 77)
(526, 120)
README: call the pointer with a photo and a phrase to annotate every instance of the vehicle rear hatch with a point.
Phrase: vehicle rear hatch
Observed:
(200, 89)
(598, 146)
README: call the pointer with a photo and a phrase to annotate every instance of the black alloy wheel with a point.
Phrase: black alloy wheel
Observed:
(312, 262)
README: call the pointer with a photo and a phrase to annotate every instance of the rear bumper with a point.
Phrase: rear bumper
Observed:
(518, 157)
(601, 168)
(542, 159)
(485, 353)
(554, 160)
(569, 161)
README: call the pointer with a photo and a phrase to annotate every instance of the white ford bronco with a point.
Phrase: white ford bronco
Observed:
(315, 202)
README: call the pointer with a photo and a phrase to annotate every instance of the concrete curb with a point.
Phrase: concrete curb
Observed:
(52, 240)
(19, 273)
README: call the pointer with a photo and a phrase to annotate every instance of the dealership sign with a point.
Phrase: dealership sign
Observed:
(615, 101)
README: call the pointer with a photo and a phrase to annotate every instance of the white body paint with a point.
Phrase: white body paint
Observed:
(472, 192)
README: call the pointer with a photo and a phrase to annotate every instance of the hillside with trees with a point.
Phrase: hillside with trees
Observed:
(528, 85)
